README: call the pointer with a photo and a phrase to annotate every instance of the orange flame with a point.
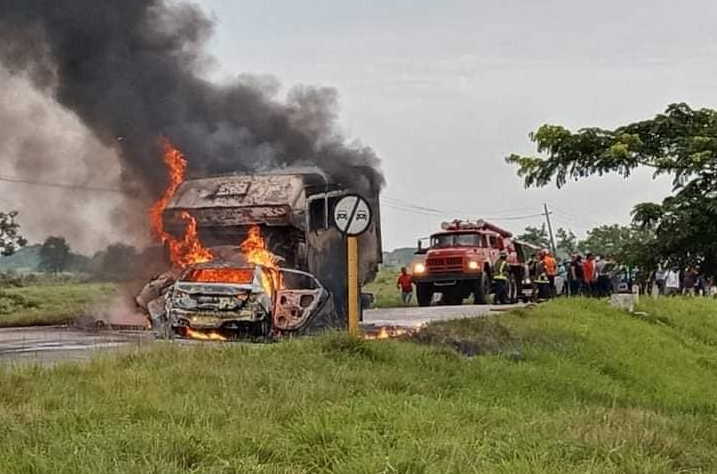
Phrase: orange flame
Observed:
(204, 336)
(387, 332)
(176, 167)
(221, 275)
(254, 247)
(189, 249)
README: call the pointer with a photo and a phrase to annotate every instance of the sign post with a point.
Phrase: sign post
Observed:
(352, 217)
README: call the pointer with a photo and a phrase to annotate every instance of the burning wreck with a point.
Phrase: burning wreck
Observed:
(252, 255)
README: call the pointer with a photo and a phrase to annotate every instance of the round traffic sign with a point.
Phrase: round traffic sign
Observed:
(352, 215)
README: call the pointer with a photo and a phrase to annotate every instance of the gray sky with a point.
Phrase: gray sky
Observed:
(443, 91)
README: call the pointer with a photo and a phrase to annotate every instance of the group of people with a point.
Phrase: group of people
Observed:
(542, 270)
(590, 276)
(691, 281)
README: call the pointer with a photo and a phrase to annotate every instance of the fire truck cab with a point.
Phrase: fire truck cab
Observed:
(459, 262)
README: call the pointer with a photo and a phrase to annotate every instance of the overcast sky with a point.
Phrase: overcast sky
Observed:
(444, 90)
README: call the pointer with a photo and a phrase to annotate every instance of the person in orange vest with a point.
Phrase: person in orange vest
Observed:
(405, 284)
(541, 279)
(551, 269)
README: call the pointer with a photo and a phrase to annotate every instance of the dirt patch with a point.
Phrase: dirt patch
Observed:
(471, 337)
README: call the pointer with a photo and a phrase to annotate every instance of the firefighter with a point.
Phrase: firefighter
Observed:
(541, 279)
(502, 272)
(551, 269)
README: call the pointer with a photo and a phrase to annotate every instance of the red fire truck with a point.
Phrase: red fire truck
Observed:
(459, 262)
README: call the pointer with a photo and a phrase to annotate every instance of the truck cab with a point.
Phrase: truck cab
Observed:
(459, 261)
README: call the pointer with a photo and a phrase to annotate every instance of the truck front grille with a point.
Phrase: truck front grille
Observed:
(445, 265)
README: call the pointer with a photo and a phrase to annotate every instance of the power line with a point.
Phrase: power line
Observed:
(438, 213)
(34, 182)
(411, 205)
(391, 202)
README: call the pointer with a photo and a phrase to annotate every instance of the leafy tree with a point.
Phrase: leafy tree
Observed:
(629, 245)
(10, 237)
(536, 236)
(54, 254)
(566, 243)
(682, 143)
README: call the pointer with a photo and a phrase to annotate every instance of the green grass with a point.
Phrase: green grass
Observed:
(569, 387)
(49, 304)
(384, 289)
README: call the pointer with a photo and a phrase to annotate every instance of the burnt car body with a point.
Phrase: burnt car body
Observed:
(245, 307)
(254, 302)
(294, 209)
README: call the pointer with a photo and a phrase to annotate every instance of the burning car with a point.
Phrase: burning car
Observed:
(288, 275)
(227, 300)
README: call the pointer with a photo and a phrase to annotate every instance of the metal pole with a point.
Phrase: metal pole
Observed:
(550, 229)
(353, 284)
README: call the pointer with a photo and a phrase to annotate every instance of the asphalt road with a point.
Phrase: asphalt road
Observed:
(51, 344)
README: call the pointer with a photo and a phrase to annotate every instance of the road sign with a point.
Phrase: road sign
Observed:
(352, 215)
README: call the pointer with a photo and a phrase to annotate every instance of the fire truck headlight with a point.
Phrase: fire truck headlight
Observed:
(473, 265)
(419, 268)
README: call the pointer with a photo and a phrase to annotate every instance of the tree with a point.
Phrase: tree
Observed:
(54, 254)
(10, 237)
(682, 142)
(566, 243)
(629, 245)
(536, 236)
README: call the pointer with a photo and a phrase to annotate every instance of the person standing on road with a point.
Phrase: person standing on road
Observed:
(589, 275)
(690, 281)
(541, 280)
(500, 278)
(405, 284)
(532, 275)
(551, 270)
(660, 280)
(672, 283)
(576, 275)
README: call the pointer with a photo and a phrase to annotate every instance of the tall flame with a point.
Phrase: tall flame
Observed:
(254, 247)
(176, 168)
(189, 249)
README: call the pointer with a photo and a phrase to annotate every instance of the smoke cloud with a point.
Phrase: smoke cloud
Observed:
(42, 143)
(131, 71)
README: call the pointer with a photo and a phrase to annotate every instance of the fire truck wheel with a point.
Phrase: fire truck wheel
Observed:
(424, 293)
(481, 289)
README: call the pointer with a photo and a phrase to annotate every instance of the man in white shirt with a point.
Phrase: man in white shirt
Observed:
(672, 283)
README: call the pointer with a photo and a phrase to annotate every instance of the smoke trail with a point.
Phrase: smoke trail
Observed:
(131, 71)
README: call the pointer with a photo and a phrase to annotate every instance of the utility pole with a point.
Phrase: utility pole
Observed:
(550, 229)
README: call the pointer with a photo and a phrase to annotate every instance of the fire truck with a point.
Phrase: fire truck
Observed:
(458, 262)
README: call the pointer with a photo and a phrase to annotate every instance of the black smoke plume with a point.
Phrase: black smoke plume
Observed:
(131, 70)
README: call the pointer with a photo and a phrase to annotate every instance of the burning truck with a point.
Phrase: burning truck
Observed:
(253, 255)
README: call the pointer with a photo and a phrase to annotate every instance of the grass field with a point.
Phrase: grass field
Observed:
(384, 288)
(569, 387)
(49, 303)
